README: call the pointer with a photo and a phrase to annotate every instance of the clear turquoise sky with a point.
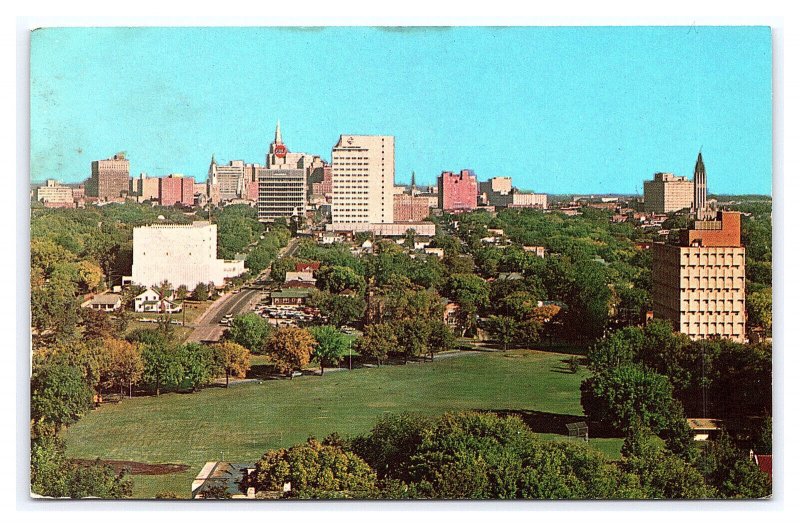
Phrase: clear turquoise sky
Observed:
(561, 110)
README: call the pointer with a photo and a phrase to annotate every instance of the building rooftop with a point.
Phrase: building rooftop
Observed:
(106, 299)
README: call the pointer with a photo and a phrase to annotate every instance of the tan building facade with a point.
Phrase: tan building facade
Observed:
(362, 177)
(282, 193)
(53, 193)
(699, 283)
(668, 193)
(110, 178)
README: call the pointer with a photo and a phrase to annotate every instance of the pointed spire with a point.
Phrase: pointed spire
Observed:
(213, 161)
(278, 139)
(413, 181)
(699, 166)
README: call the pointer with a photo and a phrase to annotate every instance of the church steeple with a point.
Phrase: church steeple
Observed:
(700, 189)
(413, 183)
(278, 140)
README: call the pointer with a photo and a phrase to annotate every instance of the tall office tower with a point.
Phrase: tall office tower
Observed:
(362, 177)
(458, 192)
(282, 193)
(668, 193)
(699, 281)
(110, 178)
(700, 205)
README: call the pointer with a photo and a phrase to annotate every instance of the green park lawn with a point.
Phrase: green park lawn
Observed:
(242, 422)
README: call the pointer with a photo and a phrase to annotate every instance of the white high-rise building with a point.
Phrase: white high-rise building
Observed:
(181, 254)
(363, 179)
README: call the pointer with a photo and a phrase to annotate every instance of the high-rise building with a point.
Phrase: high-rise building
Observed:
(110, 178)
(668, 193)
(175, 189)
(458, 192)
(363, 179)
(181, 254)
(496, 185)
(699, 281)
(282, 193)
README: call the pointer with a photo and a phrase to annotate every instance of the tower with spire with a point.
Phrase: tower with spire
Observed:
(413, 183)
(700, 204)
(276, 157)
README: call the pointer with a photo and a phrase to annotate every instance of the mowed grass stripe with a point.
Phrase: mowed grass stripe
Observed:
(242, 422)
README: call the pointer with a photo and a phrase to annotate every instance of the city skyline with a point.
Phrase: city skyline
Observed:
(602, 109)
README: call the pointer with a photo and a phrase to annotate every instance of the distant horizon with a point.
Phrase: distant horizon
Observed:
(562, 110)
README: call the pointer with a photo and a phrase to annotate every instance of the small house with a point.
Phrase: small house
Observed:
(106, 302)
(151, 302)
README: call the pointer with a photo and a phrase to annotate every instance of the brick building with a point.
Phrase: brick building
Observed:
(175, 189)
(410, 208)
(458, 192)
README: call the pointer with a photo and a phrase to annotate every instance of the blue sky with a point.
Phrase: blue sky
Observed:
(561, 110)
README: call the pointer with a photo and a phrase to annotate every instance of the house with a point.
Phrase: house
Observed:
(290, 296)
(223, 475)
(510, 276)
(704, 429)
(435, 251)
(537, 250)
(306, 266)
(306, 278)
(106, 302)
(764, 462)
(450, 316)
(151, 302)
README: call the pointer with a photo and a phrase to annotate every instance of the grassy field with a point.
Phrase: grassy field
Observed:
(193, 312)
(242, 422)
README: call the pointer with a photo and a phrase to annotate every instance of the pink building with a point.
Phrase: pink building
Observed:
(175, 190)
(458, 192)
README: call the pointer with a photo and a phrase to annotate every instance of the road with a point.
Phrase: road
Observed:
(207, 327)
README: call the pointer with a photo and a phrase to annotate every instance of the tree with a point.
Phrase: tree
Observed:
(502, 329)
(161, 365)
(518, 305)
(471, 293)
(290, 348)
(231, 358)
(338, 310)
(281, 266)
(314, 470)
(620, 347)
(412, 338)
(440, 337)
(96, 324)
(200, 292)
(59, 394)
(53, 475)
(759, 309)
(126, 363)
(620, 395)
(249, 330)
(181, 292)
(666, 476)
(378, 342)
(338, 279)
(730, 470)
(197, 363)
(331, 346)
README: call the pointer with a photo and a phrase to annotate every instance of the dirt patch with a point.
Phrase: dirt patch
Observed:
(136, 468)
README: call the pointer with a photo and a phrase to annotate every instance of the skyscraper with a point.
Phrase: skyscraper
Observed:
(363, 179)
(668, 193)
(110, 178)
